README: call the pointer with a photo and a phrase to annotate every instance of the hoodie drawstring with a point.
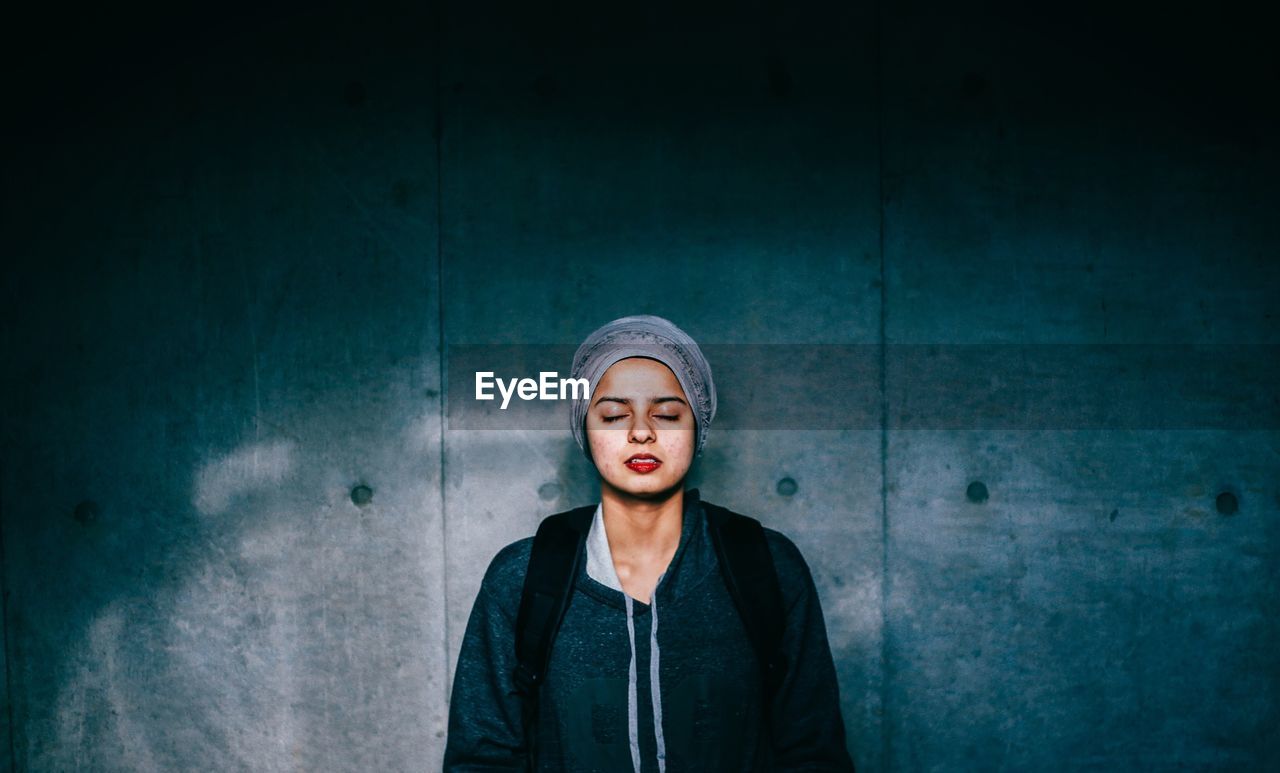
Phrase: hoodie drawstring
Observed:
(600, 568)
(654, 687)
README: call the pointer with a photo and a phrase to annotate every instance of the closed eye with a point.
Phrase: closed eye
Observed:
(609, 419)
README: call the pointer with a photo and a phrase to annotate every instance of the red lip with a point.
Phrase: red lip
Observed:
(643, 463)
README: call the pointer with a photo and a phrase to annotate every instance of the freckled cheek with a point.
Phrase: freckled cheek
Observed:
(681, 439)
(604, 449)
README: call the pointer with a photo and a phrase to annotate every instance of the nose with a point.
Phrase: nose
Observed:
(642, 430)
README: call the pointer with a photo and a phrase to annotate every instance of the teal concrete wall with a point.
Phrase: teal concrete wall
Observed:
(239, 534)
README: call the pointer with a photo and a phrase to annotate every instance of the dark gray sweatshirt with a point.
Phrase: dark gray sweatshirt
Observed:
(667, 687)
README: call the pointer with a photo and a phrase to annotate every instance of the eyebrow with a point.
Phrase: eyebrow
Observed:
(626, 401)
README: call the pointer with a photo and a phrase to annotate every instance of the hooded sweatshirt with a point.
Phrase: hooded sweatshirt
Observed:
(665, 687)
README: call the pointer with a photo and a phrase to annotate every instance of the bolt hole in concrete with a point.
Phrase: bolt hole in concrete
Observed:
(549, 491)
(1227, 503)
(361, 495)
(977, 492)
(86, 512)
(787, 487)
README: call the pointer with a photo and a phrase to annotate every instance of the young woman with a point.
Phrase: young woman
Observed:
(652, 668)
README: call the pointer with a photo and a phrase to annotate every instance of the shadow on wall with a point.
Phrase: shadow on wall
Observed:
(272, 622)
(220, 325)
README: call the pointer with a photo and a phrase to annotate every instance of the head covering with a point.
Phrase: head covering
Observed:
(645, 335)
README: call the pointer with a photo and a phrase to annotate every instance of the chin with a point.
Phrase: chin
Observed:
(647, 487)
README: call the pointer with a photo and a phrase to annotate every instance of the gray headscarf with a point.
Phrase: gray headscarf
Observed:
(645, 335)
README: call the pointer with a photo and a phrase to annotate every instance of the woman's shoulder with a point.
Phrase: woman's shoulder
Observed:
(510, 559)
(504, 579)
(788, 561)
(784, 550)
(508, 565)
(786, 555)
(794, 575)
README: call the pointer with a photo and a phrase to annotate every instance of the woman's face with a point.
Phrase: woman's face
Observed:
(640, 428)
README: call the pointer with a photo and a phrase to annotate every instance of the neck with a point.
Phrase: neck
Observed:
(642, 529)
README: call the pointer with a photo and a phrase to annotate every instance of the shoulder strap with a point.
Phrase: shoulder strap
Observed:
(752, 580)
(548, 581)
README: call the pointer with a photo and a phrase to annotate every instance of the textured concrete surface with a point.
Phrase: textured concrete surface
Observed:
(238, 535)
(228, 293)
(1094, 610)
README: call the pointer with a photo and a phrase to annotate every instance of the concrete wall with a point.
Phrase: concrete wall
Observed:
(238, 535)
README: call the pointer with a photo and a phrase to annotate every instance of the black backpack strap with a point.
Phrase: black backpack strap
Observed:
(548, 582)
(749, 572)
